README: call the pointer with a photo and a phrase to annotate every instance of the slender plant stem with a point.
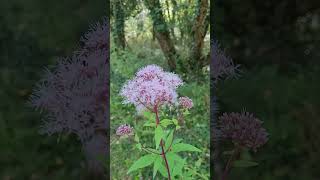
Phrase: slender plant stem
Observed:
(161, 144)
(228, 166)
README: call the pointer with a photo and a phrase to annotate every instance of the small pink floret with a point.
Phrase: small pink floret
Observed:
(185, 102)
(124, 130)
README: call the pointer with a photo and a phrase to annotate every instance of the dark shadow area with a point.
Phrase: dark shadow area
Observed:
(277, 44)
(33, 34)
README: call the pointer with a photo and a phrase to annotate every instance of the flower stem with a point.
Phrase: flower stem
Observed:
(228, 166)
(161, 144)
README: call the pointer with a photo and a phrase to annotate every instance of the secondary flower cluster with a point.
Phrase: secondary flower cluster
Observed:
(243, 129)
(151, 87)
(124, 130)
(222, 66)
(185, 102)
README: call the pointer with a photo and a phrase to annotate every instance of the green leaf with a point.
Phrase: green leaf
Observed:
(188, 174)
(163, 171)
(142, 162)
(170, 158)
(198, 163)
(244, 163)
(149, 124)
(176, 141)
(152, 150)
(158, 135)
(156, 165)
(186, 112)
(148, 115)
(175, 163)
(136, 138)
(184, 147)
(245, 154)
(175, 122)
(139, 146)
(166, 122)
(169, 139)
(177, 169)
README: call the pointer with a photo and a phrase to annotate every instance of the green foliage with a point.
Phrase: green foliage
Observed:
(166, 122)
(169, 140)
(244, 163)
(179, 147)
(166, 25)
(157, 165)
(287, 105)
(124, 64)
(158, 135)
(287, 39)
(142, 162)
(171, 148)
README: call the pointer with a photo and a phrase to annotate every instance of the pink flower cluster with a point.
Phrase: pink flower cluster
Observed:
(185, 102)
(243, 129)
(124, 130)
(151, 87)
(74, 93)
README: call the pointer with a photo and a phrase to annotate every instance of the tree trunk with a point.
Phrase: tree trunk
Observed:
(199, 31)
(119, 17)
(173, 20)
(170, 19)
(162, 33)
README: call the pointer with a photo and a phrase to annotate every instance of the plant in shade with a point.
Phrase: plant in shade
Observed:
(73, 96)
(243, 130)
(153, 92)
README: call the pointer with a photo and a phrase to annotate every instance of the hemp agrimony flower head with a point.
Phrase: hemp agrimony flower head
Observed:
(124, 130)
(222, 66)
(185, 102)
(74, 93)
(151, 87)
(96, 37)
(243, 129)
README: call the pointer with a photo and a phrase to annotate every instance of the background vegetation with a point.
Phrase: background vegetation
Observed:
(160, 32)
(277, 45)
(32, 34)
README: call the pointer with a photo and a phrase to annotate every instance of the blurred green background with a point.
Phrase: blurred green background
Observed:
(32, 35)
